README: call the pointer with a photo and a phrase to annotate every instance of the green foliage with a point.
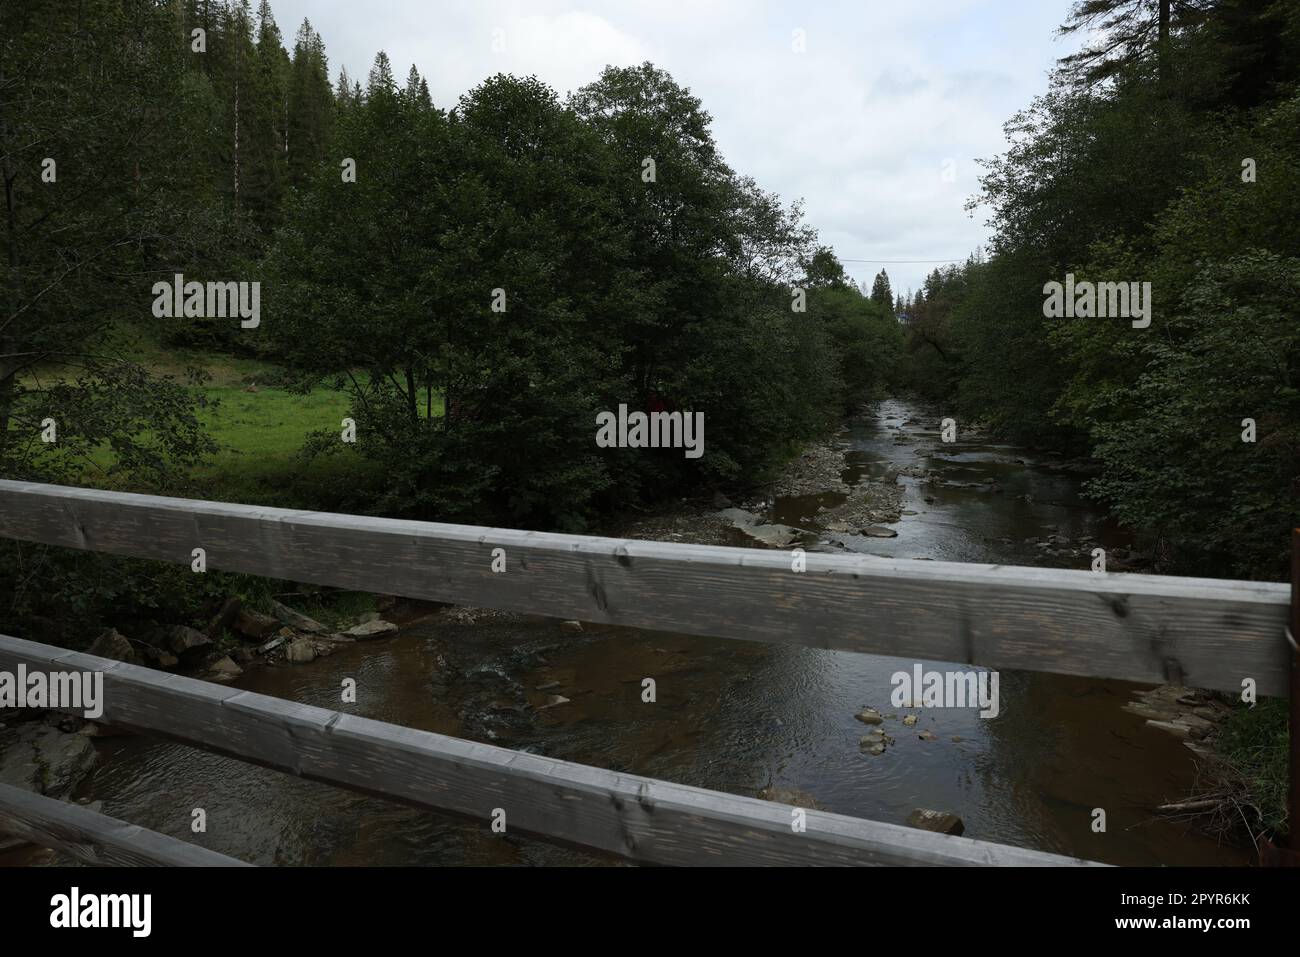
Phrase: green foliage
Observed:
(512, 259)
(865, 342)
(1176, 464)
(1133, 171)
(662, 290)
(80, 249)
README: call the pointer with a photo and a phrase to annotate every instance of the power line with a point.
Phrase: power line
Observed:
(903, 262)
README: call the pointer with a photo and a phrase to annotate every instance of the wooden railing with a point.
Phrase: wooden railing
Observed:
(1199, 632)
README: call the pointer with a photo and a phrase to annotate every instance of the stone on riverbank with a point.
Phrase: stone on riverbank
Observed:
(296, 620)
(300, 651)
(1185, 713)
(772, 535)
(371, 629)
(273, 644)
(114, 645)
(185, 642)
(41, 758)
(878, 531)
(225, 617)
(254, 625)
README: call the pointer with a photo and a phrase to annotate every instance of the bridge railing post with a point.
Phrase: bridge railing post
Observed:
(1293, 743)
(1288, 854)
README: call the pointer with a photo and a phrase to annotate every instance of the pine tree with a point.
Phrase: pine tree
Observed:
(381, 76)
(417, 91)
(1129, 31)
(343, 91)
(97, 90)
(266, 94)
(311, 104)
(880, 291)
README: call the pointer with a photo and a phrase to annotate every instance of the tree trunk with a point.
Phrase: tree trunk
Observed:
(1162, 43)
(237, 39)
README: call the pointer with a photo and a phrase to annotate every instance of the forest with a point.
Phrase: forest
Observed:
(379, 228)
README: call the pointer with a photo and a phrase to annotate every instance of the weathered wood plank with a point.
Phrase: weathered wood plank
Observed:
(1204, 633)
(634, 817)
(94, 838)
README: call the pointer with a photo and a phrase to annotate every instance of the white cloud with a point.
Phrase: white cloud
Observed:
(859, 125)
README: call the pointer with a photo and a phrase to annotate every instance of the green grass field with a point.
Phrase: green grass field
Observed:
(259, 437)
(259, 427)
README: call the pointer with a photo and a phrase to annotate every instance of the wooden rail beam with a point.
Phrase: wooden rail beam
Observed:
(634, 817)
(93, 838)
(1204, 633)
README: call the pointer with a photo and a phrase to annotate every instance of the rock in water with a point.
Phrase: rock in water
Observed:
(46, 760)
(878, 531)
(875, 741)
(940, 821)
(869, 716)
(300, 651)
(225, 669)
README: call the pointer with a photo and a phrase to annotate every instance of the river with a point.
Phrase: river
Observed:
(730, 715)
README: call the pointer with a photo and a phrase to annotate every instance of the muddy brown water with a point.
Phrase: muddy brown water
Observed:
(731, 715)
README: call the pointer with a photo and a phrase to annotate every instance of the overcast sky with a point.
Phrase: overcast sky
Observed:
(862, 125)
